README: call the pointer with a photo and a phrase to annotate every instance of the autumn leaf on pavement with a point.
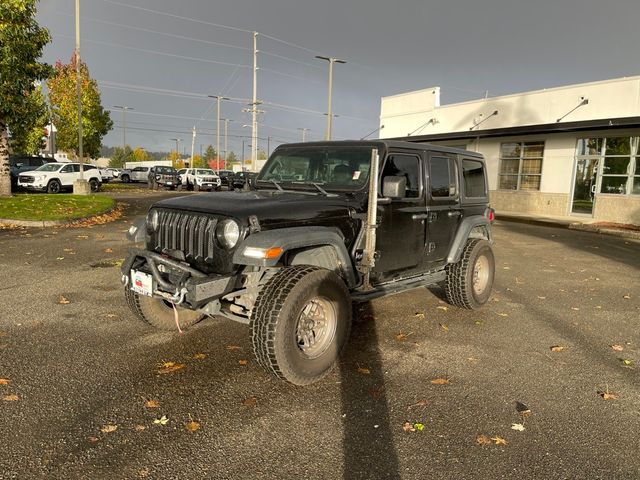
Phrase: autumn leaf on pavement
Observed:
(608, 395)
(517, 426)
(418, 426)
(168, 367)
(420, 403)
(376, 391)
(83, 237)
(234, 347)
(444, 327)
(408, 427)
(364, 370)
(626, 296)
(4, 381)
(108, 250)
(419, 315)
(243, 362)
(139, 428)
(250, 401)
(499, 440)
(556, 348)
(152, 404)
(200, 356)
(401, 336)
(617, 348)
(440, 381)
(483, 440)
(63, 300)
(163, 420)
(109, 428)
(10, 398)
(503, 314)
(626, 361)
(192, 426)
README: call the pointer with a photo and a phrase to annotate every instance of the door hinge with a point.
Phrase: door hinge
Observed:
(433, 216)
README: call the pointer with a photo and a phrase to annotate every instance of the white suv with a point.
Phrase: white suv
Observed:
(55, 177)
(199, 179)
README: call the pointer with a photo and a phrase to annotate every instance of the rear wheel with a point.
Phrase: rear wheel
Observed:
(196, 187)
(470, 280)
(159, 313)
(125, 179)
(54, 186)
(95, 185)
(301, 323)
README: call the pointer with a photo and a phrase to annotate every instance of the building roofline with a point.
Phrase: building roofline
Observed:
(585, 125)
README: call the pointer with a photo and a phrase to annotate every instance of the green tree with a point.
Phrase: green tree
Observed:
(120, 156)
(197, 162)
(210, 153)
(230, 160)
(28, 136)
(261, 155)
(96, 122)
(21, 44)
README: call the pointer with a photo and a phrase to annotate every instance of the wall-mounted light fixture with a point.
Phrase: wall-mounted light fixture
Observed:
(432, 121)
(583, 101)
(493, 114)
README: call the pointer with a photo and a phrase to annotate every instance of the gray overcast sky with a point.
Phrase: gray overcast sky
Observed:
(464, 46)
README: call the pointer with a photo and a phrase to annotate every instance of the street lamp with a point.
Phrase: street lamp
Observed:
(177, 140)
(304, 133)
(219, 98)
(331, 61)
(124, 109)
(80, 186)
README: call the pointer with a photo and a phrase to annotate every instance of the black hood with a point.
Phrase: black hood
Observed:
(271, 207)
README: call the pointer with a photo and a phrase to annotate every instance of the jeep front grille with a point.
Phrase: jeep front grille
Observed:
(192, 234)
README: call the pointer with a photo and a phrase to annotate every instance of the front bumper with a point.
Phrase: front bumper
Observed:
(33, 187)
(177, 278)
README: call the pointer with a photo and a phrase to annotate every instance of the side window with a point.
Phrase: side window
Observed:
(138, 169)
(443, 177)
(473, 176)
(407, 166)
(76, 168)
(89, 167)
(67, 169)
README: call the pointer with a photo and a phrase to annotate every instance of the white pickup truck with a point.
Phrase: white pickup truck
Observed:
(199, 179)
(138, 174)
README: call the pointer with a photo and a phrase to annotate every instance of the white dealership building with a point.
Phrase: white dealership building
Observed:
(566, 151)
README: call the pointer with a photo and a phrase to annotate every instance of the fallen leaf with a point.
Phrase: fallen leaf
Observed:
(542, 298)
(418, 426)
(63, 300)
(108, 250)
(192, 426)
(503, 314)
(444, 327)
(483, 440)
(82, 237)
(499, 440)
(234, 347)
(607, 395)
(109, 428)
(401, 336)
(92, 439)
(139, 428)
(11, 398)
(440, 381)
(152, 404)
(4, 381)
(243, 362)
(617, 348)
(59, 258)
(626, 296)
(478, 322)
(68, 250)
(575, 308)
(523, 409)
(408, 427)
(442, 308)
(557, 348)
(420, 403)
(163, 420)
(626, 361)
(250, 401)
(364, 370)
(111, 315)
(376, 392)
(517, 426)
(200, 356)
(169, 367)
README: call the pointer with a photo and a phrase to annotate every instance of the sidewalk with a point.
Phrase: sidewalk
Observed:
(574, 223)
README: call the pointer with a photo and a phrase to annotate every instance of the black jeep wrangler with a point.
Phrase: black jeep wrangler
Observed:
(325, 223)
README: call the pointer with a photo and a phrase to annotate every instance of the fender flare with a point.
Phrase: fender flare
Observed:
(462, 235)
(295, 238)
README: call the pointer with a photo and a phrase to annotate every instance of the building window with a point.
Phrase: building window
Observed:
(520, 165)
(620, 163)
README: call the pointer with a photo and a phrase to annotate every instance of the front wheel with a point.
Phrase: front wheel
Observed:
(125, 179)
(301, 323)
(54, 186)
(469, 281)
(159, 313)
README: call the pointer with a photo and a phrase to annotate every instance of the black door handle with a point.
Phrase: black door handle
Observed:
(420, 216)
(454, 213)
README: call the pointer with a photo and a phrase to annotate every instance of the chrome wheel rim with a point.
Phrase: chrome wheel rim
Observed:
(481, 273)
(316, 327)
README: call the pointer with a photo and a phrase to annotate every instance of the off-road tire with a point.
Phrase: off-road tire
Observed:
(459, 286)
(54, 186)
(275, 318)
(157, 313)
(196, 187)
(125, 178)
(95, 185)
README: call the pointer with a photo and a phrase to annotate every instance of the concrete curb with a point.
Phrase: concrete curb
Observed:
(52, 223)
(560, 223)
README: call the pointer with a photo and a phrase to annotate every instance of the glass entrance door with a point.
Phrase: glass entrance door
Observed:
(584, 189)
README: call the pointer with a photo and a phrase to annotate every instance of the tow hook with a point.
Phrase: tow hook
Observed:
(125, 280)
(176, 299)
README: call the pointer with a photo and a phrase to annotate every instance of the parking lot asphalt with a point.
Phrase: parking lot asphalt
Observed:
(77, 372)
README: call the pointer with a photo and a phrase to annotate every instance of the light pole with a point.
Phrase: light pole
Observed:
(124, 109)
(304, 133)
(80, 186)
(219, 98)
(226, 133)
(331, 61)
(177, 140)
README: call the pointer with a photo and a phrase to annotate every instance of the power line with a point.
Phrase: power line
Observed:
(162, 91)
(204, 134)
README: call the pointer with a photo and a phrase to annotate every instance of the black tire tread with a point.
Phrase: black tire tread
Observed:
(457, 291)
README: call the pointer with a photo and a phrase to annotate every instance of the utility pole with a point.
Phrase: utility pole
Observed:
(124, 109)
(304, 134)
(80, 187)
(193, 144)
(331, 61)
(243, 154)
(268, 146)
(226, 131)
(219, 98)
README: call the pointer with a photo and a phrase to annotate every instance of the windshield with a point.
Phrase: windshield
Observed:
(332, 167)
(165, 170)
(49, 167)
(204, 171)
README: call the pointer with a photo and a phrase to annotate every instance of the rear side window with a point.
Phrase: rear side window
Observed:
(407, 166)
(443, 177)
(473, 175)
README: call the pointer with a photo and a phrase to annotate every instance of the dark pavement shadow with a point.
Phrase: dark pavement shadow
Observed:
(367, 433)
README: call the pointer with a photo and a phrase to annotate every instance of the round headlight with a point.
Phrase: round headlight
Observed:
(228, 233)
(158, 177)
(153, 221)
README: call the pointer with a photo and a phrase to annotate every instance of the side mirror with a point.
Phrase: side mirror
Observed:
(394, 187)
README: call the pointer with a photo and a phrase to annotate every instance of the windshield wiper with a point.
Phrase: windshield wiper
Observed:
(276, 184)
(317, 185)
